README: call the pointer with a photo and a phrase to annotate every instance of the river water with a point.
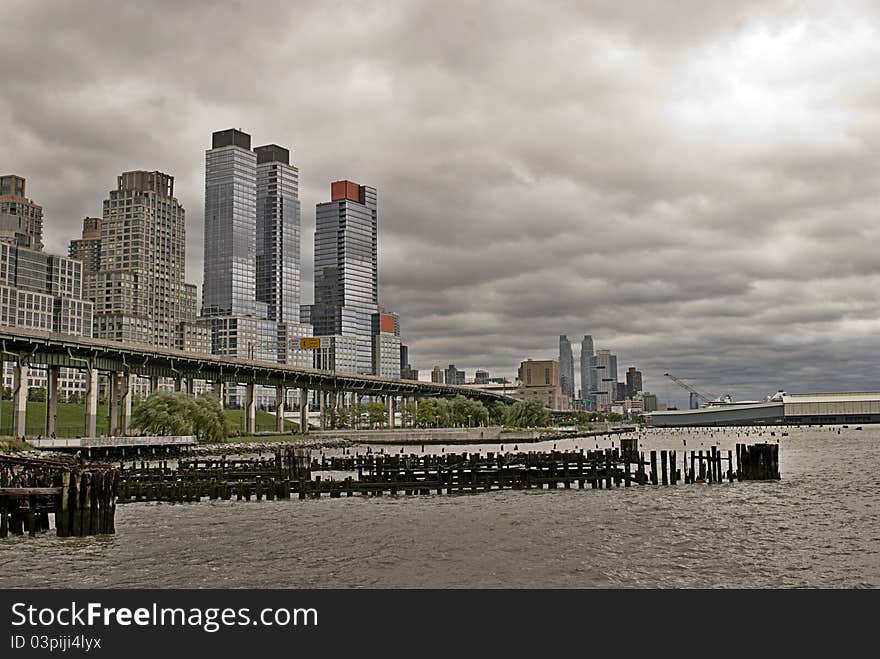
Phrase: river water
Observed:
(817, 527)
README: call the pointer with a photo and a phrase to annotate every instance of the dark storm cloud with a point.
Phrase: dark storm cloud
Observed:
(693, 183)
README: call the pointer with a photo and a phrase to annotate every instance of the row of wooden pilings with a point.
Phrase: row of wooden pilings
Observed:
(378, 473)
(82, 498)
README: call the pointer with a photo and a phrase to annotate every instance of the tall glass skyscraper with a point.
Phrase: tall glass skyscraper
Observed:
(588, 384)
(251, 293)
(230, 226)
(346, 267)
(278, 234)
(566, 366)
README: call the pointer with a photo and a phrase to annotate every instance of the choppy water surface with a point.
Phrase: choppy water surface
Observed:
(818, 527)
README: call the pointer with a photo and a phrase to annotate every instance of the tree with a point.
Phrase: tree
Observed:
(37, 394)
(377, 414)
(408, 414)
(176, 413)
(208, 421)
(497, 412)
(428, 415)
(528, 414)
(163, 413)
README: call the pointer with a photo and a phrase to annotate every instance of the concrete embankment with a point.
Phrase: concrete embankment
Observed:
(486, 435)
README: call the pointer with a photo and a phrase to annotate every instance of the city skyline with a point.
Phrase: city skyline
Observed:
(700, 246)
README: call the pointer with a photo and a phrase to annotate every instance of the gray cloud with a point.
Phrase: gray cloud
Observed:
(694, 184)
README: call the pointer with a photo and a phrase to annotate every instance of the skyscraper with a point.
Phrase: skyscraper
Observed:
(250, 298)
(566, 366)
(229, 287)
(21, 220)
(604, 374)
(346, 267)
(88, 248)
(139, 289)
(633, 381)
(278, 234)
(588, 385)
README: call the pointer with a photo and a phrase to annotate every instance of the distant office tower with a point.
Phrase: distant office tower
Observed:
(619, 391)
(604, 375)
(407, 372)
(481, 377)
(278, 234)
(43, 292)
(694, 402)
(588, 385)
(633, 382)
(453, 375)
(21, 220)
(88, 248)
(566, 366)
(650, 401)
(346, 267)
(437, 375)
(139, 288)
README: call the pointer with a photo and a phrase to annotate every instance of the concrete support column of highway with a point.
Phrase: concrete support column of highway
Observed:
(113, 392)
(217, 388)
(250, 409)
(190, 386)
(19, 399)
(52, 375)
(356, 411)
(322, 399)
(303, 410)
(279, 409)
(178, 384)
(154, 384)
(125, 386)
(91, 416)
(390, 403)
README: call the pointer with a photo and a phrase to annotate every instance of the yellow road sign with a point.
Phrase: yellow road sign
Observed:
(309, 344)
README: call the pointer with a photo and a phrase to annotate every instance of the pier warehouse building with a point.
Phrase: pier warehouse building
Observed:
(792, 409)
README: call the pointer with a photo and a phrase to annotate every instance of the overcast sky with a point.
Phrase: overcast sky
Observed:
(694, 183)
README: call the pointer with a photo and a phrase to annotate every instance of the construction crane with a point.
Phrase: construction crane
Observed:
(708, 398)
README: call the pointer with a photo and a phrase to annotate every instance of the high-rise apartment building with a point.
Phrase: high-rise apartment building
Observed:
(251, 291)
(481, 376)
(633, 382)
(44, 292)
(229, 287)
(139, 288)
(21, 220)
(250, 296)
(437, 375)
(278, 234)
(453, 376)
(386, 345)
(346, 267)
(88, 248)
(588, 386)
(566, 366)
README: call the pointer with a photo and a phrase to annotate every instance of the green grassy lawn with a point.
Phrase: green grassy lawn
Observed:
(70, 421)
(264, 422)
